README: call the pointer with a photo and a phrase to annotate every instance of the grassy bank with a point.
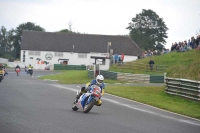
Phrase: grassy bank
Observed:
(181, 65)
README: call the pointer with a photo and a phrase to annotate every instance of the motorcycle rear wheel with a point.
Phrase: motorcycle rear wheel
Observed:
(89, 106)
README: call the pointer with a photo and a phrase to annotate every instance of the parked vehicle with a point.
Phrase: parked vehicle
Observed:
(88, 100)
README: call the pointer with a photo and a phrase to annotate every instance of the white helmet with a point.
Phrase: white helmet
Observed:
(99, 79)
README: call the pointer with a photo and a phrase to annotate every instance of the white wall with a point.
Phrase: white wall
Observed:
(72, 59)
(3, 60)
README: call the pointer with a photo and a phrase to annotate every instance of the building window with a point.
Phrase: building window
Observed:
(37, 53)
(59, 54)
(30, 52)
(81, 55)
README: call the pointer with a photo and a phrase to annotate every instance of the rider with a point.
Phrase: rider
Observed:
(98, 81)
(17, 67)
(30, 66)
(5, 72)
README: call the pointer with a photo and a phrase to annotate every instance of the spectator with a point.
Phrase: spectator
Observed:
(197, 41)
(122, 57)
(116, 58)
(149, 53)
(151, 63)
(193, 42)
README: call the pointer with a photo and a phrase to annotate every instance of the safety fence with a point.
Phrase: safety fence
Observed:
(182, 87)
(132, 78)
(142, 66)
(69, 67)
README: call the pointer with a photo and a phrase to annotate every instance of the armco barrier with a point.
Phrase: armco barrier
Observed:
(183, 87)
(156, 79)
(132, 78)
(69, 67)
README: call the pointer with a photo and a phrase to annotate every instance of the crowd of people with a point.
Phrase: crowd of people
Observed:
(117, 59)
(193, 43)
(181, 46)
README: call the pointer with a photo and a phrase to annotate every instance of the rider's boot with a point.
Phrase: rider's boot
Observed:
(83, 90)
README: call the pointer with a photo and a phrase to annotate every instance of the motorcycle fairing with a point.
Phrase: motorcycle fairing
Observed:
(83, 99)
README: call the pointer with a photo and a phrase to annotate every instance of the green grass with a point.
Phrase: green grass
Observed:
(74, 77)
(181, 65)
(155, 96)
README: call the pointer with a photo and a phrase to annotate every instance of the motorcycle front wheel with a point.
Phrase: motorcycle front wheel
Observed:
(89, 106)
(74, 107)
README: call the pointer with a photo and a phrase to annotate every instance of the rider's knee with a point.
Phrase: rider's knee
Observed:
(99, 102)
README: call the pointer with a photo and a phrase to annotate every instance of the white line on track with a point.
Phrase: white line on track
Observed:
(142, 110)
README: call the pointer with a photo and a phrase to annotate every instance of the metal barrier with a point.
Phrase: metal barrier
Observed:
(132, 78)
(69, 67)
(183, 87)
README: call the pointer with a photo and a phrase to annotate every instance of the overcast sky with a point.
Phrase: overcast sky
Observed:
(106, 17)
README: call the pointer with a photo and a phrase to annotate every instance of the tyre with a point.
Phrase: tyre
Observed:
(74, 107)
(89, 106)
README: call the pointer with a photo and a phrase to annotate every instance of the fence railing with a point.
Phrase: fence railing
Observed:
(183, 87)
(143, 66)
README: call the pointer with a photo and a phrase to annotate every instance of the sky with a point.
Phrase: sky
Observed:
(104, 17)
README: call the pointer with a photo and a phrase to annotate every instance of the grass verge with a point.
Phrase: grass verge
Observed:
(156, 96)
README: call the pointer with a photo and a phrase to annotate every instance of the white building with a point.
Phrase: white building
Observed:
(74, 49)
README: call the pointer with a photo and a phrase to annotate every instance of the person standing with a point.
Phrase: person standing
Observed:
(151, 64)
(116, 58)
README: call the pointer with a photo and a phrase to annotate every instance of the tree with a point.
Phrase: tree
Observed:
(68, 31)
(18, 35)
(65, 30)
(5, 42)
(148, 30)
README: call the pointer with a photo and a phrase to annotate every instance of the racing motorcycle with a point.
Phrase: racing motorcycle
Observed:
(88, 100)
(1, 74)
(17, 71)
(30, 71)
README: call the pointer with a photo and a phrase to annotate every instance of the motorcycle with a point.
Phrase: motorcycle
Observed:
(88, 100)
(1, 74)
(30, 71)
(17, 71)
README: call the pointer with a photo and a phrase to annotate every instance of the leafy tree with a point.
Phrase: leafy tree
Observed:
(5, 42)
(18, 35)
(148, 30)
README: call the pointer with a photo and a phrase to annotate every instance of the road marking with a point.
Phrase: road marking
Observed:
(142, 110)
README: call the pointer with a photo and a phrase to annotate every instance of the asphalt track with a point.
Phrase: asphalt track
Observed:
(30, 105)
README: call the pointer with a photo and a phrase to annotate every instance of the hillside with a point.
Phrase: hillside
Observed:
(180, 65)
